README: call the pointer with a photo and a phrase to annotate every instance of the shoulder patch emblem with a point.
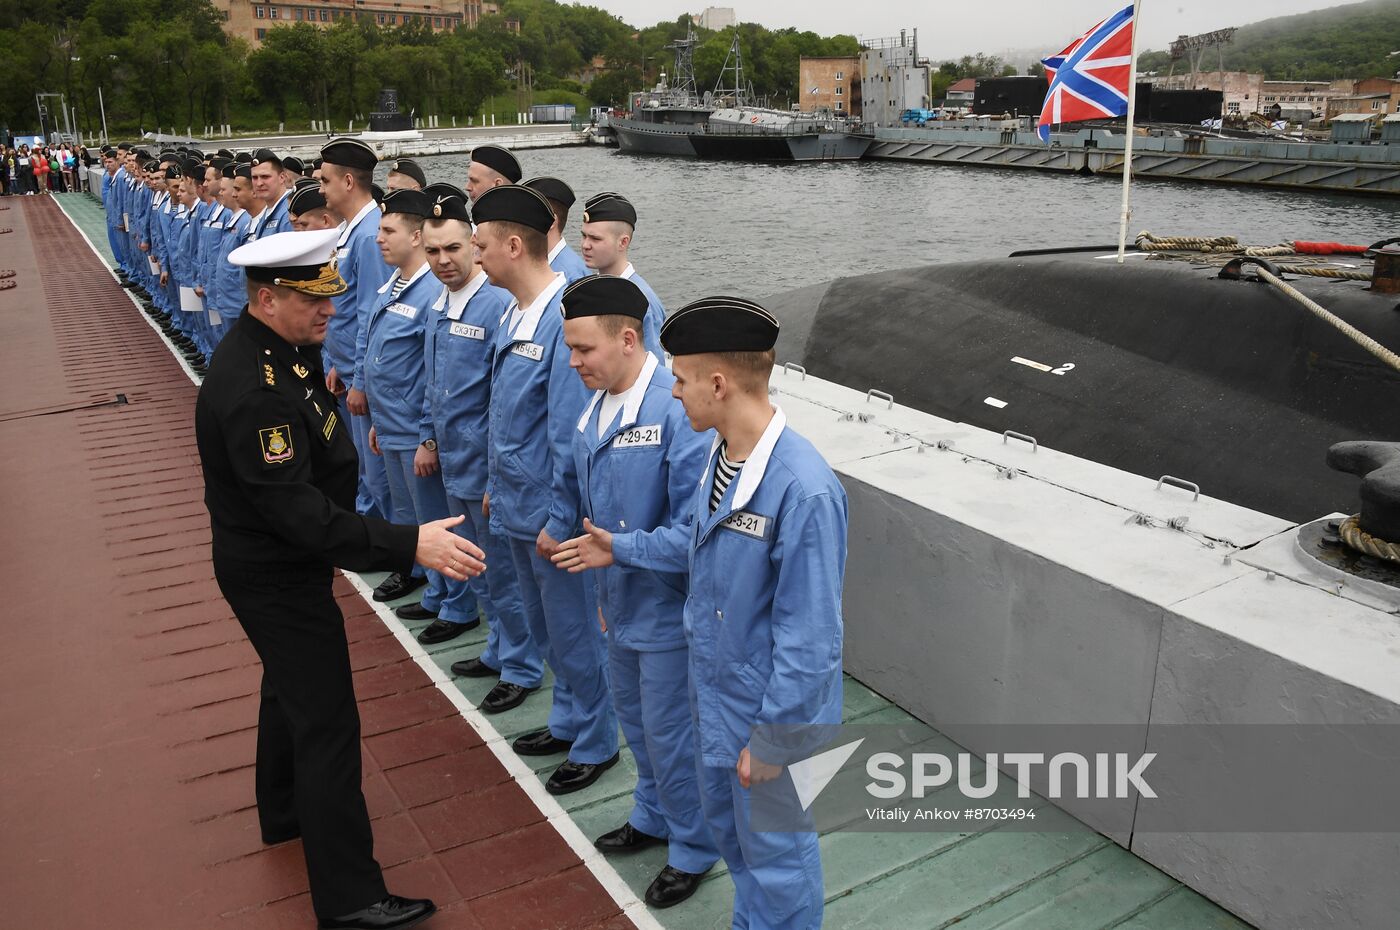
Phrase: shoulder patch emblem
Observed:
(301, 371)
(276, 444)
(269, 376)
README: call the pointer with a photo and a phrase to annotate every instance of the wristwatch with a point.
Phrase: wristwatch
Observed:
(430, 445)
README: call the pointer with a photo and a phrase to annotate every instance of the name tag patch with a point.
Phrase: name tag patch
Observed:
(638, 436)
(749, 524)
(468, 331)
(531, 350)
(404, 310)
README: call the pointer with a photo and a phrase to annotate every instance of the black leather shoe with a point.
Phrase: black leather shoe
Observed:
(626, 838)
(474, 668)
(440, 631)
(414, 612)
(540, 743)
(398, 585)
(392, 912)
(671, 887)
(503, 697)
(575, 776)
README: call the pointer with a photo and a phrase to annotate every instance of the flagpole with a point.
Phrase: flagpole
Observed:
(1128, 142)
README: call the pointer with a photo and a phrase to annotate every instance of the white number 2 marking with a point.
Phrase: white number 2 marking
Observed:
(1064, 369)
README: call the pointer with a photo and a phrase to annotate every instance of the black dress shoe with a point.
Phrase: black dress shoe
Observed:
(626, 838)
(440, 631)
(273, 837)
(414, 612)
(392, 912)
(575, 776)
(503, 697)
(398, 585)
(474, 668)
(671, 887)
(540, 743)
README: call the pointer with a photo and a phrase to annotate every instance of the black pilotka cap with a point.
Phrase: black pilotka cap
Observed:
(451, 207)
(349, 153)
(300, 183)
(195, 153)
(267, 155)
(498, 160)
(220, 162)
(603, 295)
(244, 158)
(554, 189)
(410, 168)
(194, 167)
(306, 199)
(609, 206)
(414, 203)
(719, 324)
(240, 170)
(443, 189)
(293, 164)
(514, 204)
(173, 173)
(376, 193)
(225, 153)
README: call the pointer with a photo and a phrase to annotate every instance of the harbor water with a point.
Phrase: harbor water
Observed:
(755, 229)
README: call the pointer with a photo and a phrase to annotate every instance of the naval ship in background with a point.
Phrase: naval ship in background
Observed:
(674, 119)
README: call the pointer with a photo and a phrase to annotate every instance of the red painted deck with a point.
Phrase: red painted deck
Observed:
(128, 695)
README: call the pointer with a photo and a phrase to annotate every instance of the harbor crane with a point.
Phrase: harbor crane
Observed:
(1193, 48)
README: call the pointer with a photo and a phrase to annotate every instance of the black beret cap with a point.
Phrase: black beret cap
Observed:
(554, 189)
(609, 206)
(306, 199)
(514, 204)
(293, 164)
(349, 153)
(603, 295)
(719, 324)
(443, 189)
(498, 160)
(414, 203)
(225, 153)
(262, 155)
(451, 207)
(410, 168)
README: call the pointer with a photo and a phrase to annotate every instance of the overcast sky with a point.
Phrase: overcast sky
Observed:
(951, 28)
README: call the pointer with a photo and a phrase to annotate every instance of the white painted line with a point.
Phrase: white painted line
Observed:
(993, 402)
(140, 310)
(523, 775)
(1038, 366)
(1114, 256)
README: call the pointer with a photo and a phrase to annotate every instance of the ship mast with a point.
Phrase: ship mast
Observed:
(684, 85)
(733, 64)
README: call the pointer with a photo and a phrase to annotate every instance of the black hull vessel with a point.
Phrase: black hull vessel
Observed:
(1155, 367)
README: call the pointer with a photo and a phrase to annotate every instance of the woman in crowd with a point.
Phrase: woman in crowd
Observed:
(24, 178)
(39, 162)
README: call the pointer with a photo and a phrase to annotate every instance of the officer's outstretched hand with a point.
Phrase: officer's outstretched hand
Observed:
(591, 550)
(444, 551)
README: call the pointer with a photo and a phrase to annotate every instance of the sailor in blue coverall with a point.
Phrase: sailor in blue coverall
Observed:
(271, 189)
(395, 381)
(112, 180)
(766, 552)
(609, 220)
(458, 345)
(347, 168)
(210, 233)
(562, 258)
(230, 283)
(637, 461)
(532, 494)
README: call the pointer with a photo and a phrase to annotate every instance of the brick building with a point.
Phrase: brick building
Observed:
(830, 84)
(250, 19)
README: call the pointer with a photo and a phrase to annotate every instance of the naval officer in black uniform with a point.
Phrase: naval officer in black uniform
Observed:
(280, 475)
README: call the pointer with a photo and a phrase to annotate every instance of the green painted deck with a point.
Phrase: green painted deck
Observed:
(991, 878)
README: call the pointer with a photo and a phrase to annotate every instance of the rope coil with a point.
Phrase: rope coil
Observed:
(1356, 538)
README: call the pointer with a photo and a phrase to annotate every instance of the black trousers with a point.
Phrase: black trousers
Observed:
(308, 765)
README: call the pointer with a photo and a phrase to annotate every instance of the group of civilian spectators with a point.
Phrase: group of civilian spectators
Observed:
(42, 169)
